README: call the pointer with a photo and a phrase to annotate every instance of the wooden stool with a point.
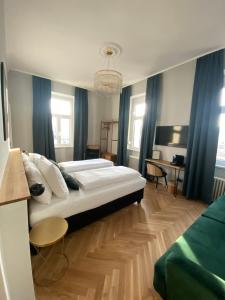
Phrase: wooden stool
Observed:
(46, 233)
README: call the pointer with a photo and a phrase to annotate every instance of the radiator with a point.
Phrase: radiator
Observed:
(133, 162)
(219, 187)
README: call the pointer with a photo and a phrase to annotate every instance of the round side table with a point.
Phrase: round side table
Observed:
(47, 233)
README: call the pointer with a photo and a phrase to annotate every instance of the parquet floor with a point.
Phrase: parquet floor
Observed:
(113, 259)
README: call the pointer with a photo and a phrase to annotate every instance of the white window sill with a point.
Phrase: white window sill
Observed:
(220, 167)
(134, 157)
(133, 149)
(63, 146)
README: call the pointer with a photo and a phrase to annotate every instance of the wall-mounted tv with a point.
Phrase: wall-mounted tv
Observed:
(172, 136)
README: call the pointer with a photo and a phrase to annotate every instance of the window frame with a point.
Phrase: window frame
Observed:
(134, 100)
(223, 110)
(71, 99)
(221, 163)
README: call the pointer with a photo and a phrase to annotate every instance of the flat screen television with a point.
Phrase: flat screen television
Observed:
(172, 136)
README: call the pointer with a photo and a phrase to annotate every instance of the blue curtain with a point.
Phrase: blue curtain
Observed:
(81, 123)
(122, 157)
(149, 122)
(204, 129)
(43, 141)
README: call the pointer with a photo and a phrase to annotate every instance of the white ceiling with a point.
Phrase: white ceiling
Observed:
(60, 39)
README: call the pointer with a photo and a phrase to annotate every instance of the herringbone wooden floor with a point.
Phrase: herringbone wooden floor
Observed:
(113, 259)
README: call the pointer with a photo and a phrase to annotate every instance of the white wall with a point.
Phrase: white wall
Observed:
(111, 112)
(115, 107)
(174, 106)
(102, 108)
(20, 97)
(15, 251)
(114, 101)
(4, 145)
(175, 102)
(139, 87)
(96, 108)
(2, 287)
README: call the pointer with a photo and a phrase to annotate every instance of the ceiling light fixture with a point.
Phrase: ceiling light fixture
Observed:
(108, 80)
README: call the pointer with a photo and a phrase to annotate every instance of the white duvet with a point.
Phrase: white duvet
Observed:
(88, 164)
(80, 201)
(96, 178)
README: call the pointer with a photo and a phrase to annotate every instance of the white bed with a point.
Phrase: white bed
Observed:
(96, 178)
(80, 201)
(88, 164)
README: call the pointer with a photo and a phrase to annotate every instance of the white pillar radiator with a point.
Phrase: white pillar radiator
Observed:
(218, 187)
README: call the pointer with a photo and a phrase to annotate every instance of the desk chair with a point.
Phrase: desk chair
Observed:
(156, 171)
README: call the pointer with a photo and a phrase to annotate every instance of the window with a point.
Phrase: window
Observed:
(62, 119)
(220, 157)
(137, 111)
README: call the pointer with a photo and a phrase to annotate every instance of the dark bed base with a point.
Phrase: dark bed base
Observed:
(82, 219)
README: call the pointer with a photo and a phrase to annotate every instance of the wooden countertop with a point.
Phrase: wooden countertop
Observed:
(14, 185)
(164, 163)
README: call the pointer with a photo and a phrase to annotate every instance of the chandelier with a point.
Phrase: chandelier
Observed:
(108, 81)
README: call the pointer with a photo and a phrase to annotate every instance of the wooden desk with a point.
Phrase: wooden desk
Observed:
(109, 156)
(167, 164)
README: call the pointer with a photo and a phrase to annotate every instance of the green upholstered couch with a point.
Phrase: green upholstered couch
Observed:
(194, 266)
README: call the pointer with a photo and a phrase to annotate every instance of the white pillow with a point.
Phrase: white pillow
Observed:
(34, 157)
(25, 157)
(35, 176)
(53, 177)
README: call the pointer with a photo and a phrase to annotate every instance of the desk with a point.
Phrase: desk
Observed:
(165, 163)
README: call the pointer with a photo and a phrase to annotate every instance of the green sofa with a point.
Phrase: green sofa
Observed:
(194, 266)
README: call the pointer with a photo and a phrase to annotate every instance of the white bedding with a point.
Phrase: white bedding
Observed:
(92, 179)
(88, 164)
(79, 201)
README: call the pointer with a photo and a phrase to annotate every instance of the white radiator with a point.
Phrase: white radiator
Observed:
(133, 162)
(219, 187)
